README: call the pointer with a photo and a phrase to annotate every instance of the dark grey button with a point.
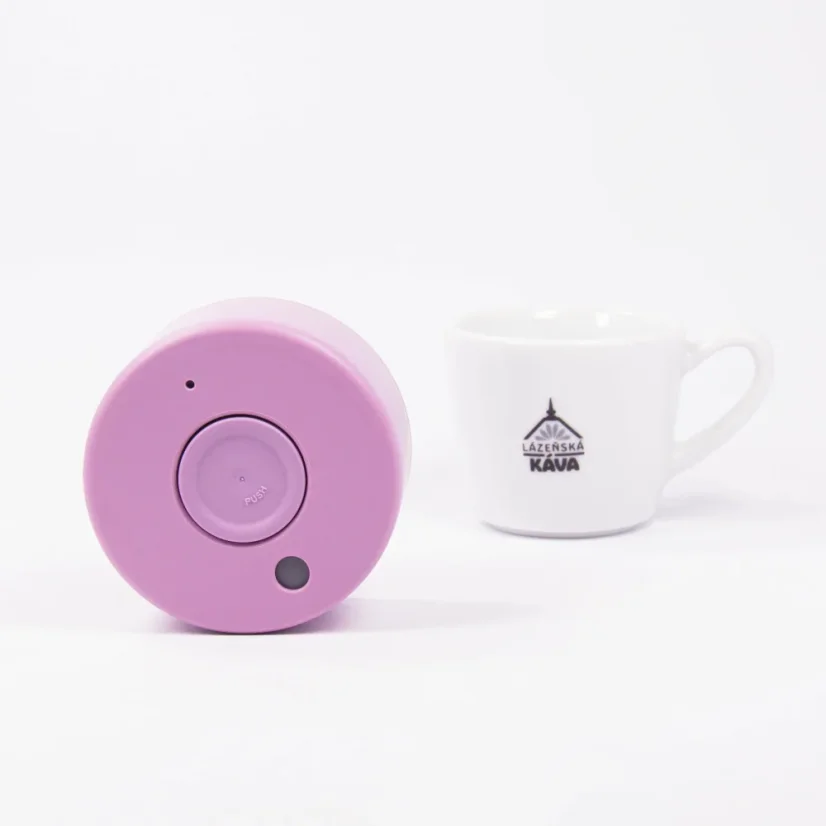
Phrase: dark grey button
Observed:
(292, 573)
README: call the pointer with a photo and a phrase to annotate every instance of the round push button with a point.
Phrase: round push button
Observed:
(241, 479)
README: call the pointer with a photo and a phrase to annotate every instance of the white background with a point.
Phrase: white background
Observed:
(396, 163)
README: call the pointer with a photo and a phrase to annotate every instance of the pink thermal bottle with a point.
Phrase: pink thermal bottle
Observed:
(245, 473)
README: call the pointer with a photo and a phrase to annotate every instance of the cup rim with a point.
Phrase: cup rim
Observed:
(651, 326)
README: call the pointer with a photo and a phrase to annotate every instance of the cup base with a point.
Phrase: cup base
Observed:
(562, 535)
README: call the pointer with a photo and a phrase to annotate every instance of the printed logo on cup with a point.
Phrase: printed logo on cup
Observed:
(553, 445)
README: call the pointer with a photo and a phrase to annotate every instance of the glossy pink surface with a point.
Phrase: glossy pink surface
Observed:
(353, 453)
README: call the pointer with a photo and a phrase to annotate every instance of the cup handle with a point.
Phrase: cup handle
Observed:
(697, 447)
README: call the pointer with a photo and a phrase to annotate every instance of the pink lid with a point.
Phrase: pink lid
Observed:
(202, 422)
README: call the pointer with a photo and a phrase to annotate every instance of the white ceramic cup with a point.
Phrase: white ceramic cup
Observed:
(567, 417)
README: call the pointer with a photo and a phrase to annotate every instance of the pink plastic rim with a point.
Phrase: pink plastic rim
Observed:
(241, 479)
(354, 471)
